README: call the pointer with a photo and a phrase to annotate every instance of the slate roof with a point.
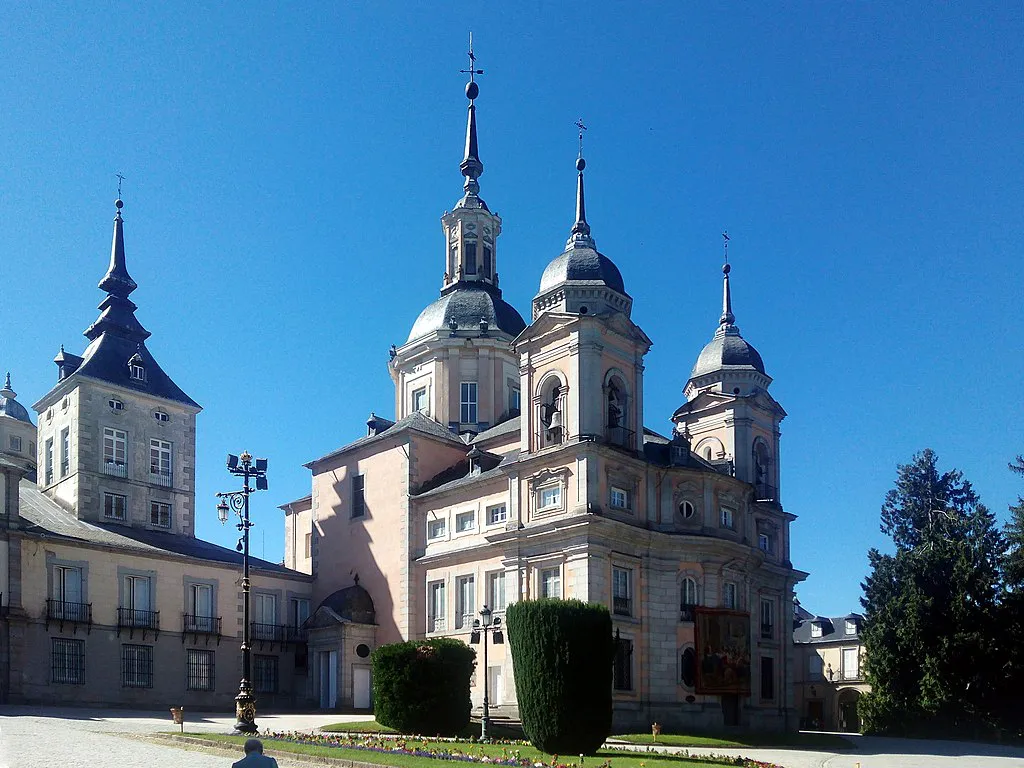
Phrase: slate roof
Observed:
(581, 265)
(727, 349)
(44, 517)
(833, 629)
(352, 603)
(466, 306)
(414, 421)
(460, 476)
(13, 409)
(506, 427)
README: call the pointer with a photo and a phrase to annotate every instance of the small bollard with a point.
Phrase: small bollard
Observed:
(655, 731)
(178, 714)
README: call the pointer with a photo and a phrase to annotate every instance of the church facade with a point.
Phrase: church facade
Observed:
(518, 466)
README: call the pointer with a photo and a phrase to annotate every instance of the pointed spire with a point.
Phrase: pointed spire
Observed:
(727, 318)
(7, 391)
(471, 167)
(117, 281)
(580, 234)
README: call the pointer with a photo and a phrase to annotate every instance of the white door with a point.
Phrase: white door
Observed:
(361, 687)
(495, 691)
(328, 679)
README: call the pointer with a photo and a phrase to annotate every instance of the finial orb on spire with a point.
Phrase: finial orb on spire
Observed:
(580, 164)
(119, 204)
(726, 269)
(472, 90)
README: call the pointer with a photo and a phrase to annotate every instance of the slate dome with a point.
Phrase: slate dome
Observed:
(582, 264)
(467, 306)
(727, 350)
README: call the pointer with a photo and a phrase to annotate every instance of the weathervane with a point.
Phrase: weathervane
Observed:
(472, 71)
(120, 178)
(725, 245)
(579, 124)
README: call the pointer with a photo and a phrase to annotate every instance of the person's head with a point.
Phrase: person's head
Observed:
(253, 745)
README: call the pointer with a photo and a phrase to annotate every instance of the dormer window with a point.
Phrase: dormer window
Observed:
(138, 372)
(115, 404)
(815, 629)
(851, 626)
(161, 416)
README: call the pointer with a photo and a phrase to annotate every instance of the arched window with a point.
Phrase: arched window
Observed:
(762, 470)
(552, 412)
(616, 412)
(688, 668)
(688, 599)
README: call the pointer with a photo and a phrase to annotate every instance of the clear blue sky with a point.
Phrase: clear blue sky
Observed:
(287, 167)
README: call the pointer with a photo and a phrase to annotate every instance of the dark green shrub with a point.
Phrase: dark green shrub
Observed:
(562, 652)
(422, 687)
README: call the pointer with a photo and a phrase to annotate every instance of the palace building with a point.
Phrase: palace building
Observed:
(518, 465)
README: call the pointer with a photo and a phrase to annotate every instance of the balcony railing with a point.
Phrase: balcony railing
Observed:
(437, 624)
(765, 492)
(200, 625)
(622, 606)
(115, 468)
(276, 633)
(68, 613)
(161, 478)
(687, 612)
(134, 618)
(620, 436)
(294, 634)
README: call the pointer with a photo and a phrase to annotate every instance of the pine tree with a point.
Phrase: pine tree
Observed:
(931, 607)
(1012, 610)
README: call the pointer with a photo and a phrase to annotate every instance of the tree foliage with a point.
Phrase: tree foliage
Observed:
(562, 655)
(422, 686)
(934, 609)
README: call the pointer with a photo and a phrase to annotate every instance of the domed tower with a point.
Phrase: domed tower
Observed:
(457, 366)
(581, 359)
(17, 432)
(729, 415)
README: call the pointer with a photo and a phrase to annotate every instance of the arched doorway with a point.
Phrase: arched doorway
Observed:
(849, 720)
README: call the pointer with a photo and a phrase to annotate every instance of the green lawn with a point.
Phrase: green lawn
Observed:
(742, 739)
(603, 759)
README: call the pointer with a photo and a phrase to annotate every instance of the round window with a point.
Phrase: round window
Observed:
(686, 510)
(362, 650)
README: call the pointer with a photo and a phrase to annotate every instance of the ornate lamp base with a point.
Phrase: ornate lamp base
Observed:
(245, 709)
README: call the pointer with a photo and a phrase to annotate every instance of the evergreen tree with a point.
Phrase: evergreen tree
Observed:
(931, 639)
(1012, 608)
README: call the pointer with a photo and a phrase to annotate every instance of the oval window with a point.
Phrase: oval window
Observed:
(362, 650)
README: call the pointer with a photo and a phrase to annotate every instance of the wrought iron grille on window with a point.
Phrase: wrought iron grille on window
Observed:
(200, 670)
(67, 661)
(137, 666)
(264, 674)
(623, 669)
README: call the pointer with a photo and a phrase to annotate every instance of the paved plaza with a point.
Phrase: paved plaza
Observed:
(34, 737)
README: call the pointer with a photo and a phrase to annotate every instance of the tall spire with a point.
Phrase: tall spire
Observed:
(471, 167)
(580, 234)
(727, 318)
(117, 310)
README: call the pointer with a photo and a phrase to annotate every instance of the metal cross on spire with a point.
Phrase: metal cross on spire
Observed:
(472, 71)
(120, 177)
(579, 124)
(725, 245)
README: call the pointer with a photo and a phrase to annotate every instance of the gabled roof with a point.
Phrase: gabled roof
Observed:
(46, 518)
(507, 427)
(414, 421)
(460, 475)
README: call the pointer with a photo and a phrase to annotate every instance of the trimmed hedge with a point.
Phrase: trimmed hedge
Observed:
(562, 652)
(422, 686)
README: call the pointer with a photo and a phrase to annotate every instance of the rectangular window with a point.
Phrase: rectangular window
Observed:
(160, 514)
(65, 451)
(767, 618)
(470, 259)
(550, 497)
(67, 585)
(436, 528)
(48, 461)
(67, 661)
(620, 498)
(767, 678)
(115, 506)
(497, 514)
(727, 520)
(264, 616)
(115, 452)
(467, 402)
(851, 664)
(160, 461)
(729, 595)
(851, 627)
(419, 399)
(764, 541)
(135, 606)
(436, 609)
(137, 666)
(199, 665)
(622, 591)
(488, 259)
(815, 667)
(200, 606)
(465, 601)
(309, 545)
(623, 668)
(358, 495)
(298, 611)
(264, 674)
(514, 401)
(496, 591)
(15, 443)
(465, 521)
(551, 582)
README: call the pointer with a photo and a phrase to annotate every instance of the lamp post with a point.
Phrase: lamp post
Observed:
(486, 624)
(245, 467)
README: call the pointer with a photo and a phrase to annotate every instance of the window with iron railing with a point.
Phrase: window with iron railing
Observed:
(60, 610)
(622, 591)
(67, 661)
(264, 674)
(136, 666)
(199, 670)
